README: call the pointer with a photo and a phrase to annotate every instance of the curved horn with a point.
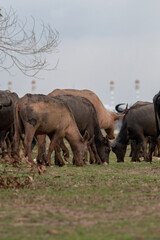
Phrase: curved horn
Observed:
(121, 111)
(117, 107)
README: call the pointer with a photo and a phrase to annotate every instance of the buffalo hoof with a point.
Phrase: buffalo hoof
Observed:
(67, 160)
(147, 160)
(135, 160)
(86, 163)
(48, 164)
(61, 164)
(40, 162)
(99, 162)
(91, 162)
(105, 164)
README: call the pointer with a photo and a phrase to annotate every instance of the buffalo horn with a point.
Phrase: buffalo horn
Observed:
(121, 111)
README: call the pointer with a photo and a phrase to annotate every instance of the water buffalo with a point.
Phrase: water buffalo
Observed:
(39, 114)
(156, 102)
(86, 119)
(107, 119)
(7, 105)
(137, 124)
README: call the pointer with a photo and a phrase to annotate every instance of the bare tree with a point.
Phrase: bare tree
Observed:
(22, 46)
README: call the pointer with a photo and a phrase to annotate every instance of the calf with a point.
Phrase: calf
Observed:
(39, 114)
(86, 119)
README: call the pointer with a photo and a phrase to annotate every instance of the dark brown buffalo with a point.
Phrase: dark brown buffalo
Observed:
(138, 123)
(39, 114)
(107, 119)
(7, 105)
(86, 119)
(156, 102)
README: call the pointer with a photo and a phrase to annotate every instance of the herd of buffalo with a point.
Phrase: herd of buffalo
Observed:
(79, 117)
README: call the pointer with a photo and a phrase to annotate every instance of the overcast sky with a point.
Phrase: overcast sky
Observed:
(101, 40)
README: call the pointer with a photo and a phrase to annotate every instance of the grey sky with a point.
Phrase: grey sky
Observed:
(101, 40)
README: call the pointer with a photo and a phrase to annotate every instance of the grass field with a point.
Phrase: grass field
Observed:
(116, 202)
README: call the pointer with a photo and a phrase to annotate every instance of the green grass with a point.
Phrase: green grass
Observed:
(116, 202)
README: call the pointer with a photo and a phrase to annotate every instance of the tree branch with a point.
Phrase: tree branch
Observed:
(25, 48)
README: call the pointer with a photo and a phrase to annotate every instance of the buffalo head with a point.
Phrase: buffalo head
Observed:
(119, 149)
(103, 149)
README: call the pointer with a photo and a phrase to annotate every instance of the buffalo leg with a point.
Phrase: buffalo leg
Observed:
(50, 150)
(144, 150)
(157, 148)
(41, 157)
(152, 146)
(92, 157)
(3, 143)
(27, 143)
(9, 142)
(65, 150)
(135, 152)
(16, 144)
(58, 158)
(52, 146)
(94, 149)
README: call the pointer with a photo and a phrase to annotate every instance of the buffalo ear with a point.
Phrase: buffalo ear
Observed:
(91, 140)
(86, 136)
